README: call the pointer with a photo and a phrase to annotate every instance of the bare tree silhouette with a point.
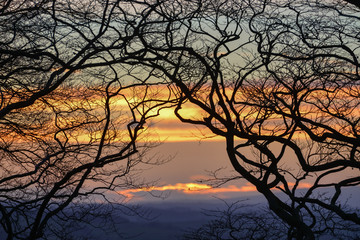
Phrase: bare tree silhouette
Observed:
(79, 81)
(279, 79)
(240, 220)
(72, 112)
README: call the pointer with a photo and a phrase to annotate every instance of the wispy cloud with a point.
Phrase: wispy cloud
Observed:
(195, 188)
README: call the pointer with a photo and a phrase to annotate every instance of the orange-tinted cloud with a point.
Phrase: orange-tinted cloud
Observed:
(195, 188)
(182, 187)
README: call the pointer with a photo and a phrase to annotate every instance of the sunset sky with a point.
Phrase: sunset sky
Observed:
(192, 158)
(194, 152)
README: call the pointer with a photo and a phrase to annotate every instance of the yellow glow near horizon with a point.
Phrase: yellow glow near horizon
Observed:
(196, 188)
(184, 187)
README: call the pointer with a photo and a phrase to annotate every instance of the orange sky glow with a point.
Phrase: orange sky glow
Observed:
(166, 127)
(196, 188)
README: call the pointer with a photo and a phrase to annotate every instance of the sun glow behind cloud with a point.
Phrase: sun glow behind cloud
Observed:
(166, 127)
